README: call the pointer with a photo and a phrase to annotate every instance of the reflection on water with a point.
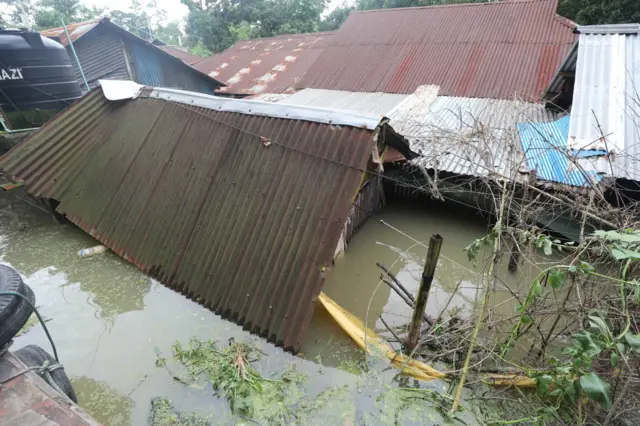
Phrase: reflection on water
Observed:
(43, 243)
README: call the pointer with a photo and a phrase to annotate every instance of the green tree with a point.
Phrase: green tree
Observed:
(51, 13)
(143, 20)
(219, 24)
(200, 50)
(390, 4)
(334, 20)
(170, 33)
(593, 12)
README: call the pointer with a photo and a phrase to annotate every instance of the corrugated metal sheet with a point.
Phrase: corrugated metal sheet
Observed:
(265, 65)
(199, 199)
(147, 65)
(489, 50)
(370, 103)
(466, 136)
(605, 101)
(181, 54)
(546, 151)
(75, 30)
(102, 56)
(99, 45)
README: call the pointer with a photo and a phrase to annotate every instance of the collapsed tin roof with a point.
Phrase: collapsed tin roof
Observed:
(237, 204)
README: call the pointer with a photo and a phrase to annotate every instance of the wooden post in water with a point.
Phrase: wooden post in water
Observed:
(423, 293)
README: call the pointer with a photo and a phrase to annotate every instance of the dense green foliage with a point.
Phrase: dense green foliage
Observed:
(219, 24)
(51, 13)
(592, 12)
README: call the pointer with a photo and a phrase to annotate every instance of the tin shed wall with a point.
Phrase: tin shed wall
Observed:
(101, 55)
(154, 69)
(195, 198)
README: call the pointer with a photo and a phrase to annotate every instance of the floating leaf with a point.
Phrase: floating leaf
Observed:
(596, 389)
(556, 279)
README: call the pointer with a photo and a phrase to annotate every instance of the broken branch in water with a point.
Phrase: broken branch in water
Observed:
(401, 291)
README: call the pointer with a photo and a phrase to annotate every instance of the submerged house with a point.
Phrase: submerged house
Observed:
(453, 79)
(107, 51)
(237, 204)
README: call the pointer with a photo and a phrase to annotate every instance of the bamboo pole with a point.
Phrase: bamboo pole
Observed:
(423, 293)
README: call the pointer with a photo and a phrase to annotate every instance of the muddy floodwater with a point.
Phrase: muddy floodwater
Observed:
(108, 320)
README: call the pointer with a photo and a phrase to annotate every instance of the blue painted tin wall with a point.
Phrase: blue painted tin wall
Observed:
(545, 150)
(154, 68)
(148, 67)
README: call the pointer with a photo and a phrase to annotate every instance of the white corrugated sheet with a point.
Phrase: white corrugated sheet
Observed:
(364, 102)
(606, 100)
(467, 136)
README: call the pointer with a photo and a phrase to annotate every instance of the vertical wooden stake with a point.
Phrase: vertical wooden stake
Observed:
(423, 294)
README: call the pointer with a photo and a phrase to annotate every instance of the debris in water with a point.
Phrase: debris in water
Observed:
(88, 252)
(164, 414)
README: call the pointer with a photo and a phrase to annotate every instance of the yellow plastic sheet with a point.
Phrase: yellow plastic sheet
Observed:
(368, 340)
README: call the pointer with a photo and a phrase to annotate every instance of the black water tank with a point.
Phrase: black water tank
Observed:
(36, 74)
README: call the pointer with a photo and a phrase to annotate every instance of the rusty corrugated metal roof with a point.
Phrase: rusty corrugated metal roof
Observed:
(241, 212)
(265, 65)
(75, 31)
(482, 50)
(183, 55)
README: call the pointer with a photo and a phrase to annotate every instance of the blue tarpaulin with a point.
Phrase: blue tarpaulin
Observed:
(546, 151)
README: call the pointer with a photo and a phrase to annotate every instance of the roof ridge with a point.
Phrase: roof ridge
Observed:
(446, 6)
(317, 33)
(74, 24)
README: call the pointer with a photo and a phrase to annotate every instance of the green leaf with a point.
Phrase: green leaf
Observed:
(584, 342)
(620, 253)
(596, 389)
(621, 347)
(634, 341)
(556, 279)
(614, 358)
(572, 269)
(636, 292)
(526, 319)
(599, 324)
(617, 236)
(542, 384)
(587, 267)
(537, 288)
